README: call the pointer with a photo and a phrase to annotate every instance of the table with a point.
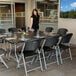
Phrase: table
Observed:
(17, 38)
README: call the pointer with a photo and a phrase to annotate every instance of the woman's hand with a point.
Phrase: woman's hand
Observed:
(30, 27)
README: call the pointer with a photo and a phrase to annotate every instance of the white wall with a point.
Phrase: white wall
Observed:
(70, 24)
(30, 5)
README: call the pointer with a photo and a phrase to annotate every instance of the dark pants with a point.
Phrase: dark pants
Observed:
(36, 28)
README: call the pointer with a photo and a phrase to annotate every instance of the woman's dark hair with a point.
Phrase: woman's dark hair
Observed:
(33, 11)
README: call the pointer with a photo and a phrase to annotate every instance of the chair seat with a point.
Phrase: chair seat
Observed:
(2, 51)
(63, 47)
(47, 49)
(29, 53)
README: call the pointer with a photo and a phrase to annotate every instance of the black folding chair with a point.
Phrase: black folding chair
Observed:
(65, 45)
(50, 45)
(30, 49)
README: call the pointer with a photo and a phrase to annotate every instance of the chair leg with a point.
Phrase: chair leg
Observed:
(33, 59)
(36, 59)
(21, 56)
(60, 55)
(8, 55)
(24, 65)
(49, 56)
(40, 61)
(44, 59)
(10, 50)
(57, 56)
(3, 62)
(18, 64)
(70, 53)
(17, 60)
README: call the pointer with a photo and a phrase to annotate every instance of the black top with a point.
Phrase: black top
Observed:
(35, 24)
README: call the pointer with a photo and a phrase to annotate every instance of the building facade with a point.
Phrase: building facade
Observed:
(17, 13)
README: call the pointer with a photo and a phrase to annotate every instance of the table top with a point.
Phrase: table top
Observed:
(15, 38)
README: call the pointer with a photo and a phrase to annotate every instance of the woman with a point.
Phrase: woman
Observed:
(34, 20)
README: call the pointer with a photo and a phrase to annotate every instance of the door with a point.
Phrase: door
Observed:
(20, 14)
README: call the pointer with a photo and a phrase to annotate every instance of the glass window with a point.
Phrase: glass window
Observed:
(48, 11)
(5, 14)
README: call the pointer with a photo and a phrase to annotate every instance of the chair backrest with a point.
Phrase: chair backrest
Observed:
(32, 45)
(51, 41)
(48, 29)
(2, 31)
(23, 28)
(62, 31)
(66, 38)
(13, 30)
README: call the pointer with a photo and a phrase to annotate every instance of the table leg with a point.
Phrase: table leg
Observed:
(16, 55)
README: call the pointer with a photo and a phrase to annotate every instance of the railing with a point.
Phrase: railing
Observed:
(6, 18)
(17, 14)
(20, 14)
(53, 17)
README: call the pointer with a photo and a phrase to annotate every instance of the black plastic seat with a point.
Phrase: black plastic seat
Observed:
(63, 46)
(47, 49)
(29, 53)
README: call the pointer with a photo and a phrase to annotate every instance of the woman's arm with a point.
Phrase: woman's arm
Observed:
(30, 27)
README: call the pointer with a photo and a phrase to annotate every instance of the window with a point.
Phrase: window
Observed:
(5, 14)
(12, 14)
(48, 11)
